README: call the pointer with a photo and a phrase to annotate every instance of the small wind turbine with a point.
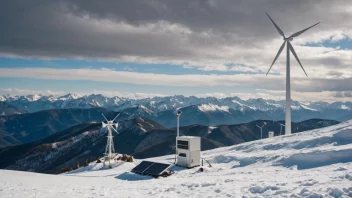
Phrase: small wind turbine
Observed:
(288, 76)
(110, 150)
(261, 130)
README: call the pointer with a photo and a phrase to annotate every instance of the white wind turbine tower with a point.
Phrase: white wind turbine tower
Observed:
(110, 149)
(288, 76)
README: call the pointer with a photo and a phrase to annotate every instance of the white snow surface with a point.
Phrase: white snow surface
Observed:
(212, 107)
(307, 107)
(243, 105)
(344, 107)
(315, 163)
(2, 98)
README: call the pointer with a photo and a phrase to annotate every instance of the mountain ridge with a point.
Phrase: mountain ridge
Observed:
(139, 137)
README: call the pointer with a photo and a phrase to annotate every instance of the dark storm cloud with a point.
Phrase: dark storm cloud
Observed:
(61, 28)
(45, 28)
(204, 34)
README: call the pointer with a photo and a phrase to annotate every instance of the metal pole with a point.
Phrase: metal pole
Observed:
(288, 95)
(110, 146)
(178, 126)
(261, 133)
(178, 133)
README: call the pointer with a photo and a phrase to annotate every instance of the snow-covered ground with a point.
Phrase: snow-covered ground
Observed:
(312, 164)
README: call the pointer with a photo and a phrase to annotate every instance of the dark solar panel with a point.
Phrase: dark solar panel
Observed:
(150, 168)
(157, 169)
(140, 168)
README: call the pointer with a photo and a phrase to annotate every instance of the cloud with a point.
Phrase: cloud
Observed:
(257, 81)
(201, 34)
(343, 94)
(137, 95)
(21, 92)
(213, 35)
(326, 96)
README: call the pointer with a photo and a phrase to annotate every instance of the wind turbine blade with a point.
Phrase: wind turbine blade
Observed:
(115, 130)
(276, 26)
(277, 55)
(300, 32)
(116, 116)
(120, 112)
(105, 117)
(295, 55)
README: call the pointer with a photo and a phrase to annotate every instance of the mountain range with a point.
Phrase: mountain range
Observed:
(206, 111)
(140, 137)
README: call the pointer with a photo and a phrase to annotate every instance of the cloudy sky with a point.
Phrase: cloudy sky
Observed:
(166, 47)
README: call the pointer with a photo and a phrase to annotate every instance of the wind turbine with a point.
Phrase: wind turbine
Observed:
(110, 150)
(261, 130)
(288, 76)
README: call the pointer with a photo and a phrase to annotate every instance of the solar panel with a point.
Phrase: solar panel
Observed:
(157, 169)
(140, 168)
(151, 168)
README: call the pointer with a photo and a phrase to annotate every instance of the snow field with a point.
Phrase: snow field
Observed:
(316, 163)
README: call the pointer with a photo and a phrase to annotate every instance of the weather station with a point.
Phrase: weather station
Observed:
(188, 151)
(187, 148)
(187, 155)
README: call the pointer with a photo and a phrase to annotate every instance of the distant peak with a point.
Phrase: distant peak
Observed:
(69, 96)
(33, 97)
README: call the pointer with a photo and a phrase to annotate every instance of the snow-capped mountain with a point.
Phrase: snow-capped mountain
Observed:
(158, 104)
(341, 111)
(69, 96)
(313, 164)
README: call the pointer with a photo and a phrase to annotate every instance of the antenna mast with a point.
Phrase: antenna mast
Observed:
(178, 122)
(178, 132)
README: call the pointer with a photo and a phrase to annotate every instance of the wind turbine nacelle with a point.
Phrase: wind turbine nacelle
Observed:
(103, 124)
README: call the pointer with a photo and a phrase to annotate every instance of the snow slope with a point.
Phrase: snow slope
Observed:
(211, 107)
(315, 163)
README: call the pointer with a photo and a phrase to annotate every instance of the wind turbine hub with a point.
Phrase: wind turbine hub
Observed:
(288, 39)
